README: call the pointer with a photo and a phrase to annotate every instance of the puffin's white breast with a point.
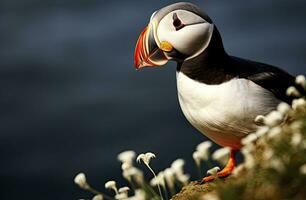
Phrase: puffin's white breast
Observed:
(225, 112)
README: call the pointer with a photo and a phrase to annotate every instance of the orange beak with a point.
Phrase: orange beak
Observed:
(147, 53)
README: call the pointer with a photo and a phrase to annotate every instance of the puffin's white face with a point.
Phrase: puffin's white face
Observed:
(179, 31)
(187, 32)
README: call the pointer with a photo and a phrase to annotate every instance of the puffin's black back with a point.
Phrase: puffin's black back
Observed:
(215, 66)
(269, 77)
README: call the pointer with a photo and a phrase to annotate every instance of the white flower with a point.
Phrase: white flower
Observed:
(260, 119)
(249, 160)
(249, 148)
(277, 164)
(210, 196)
(221, 155)
(80, 180)
(303, 169)
(146, 158)
(203, 149)
(276, 129)
(296, 126)
(111, 185)
(127, 156)
(121, 196)
(177, 166)
(123, 193)
(292, 91)
(273, 118)
(274, 132)
(213, 171)
(158, 180)
(155, 181)
(133, 174)
(197, 158)
(300, 80)
(249, 139)
(170, 178)
(237, 170)
(161, 176)
(183, 178)
(125, 166)
(124, 190)
(299, 104)
(268, 154)
(98, 197)
(283, 108)
(262, 131)
(296, 139)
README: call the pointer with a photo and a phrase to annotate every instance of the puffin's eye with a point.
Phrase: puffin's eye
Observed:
(177, 23)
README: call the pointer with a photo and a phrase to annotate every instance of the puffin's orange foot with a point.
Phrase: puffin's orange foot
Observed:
(226, 171)
(207, 179)
(221, 174)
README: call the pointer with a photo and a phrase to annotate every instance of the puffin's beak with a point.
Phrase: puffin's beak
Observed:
(147, 53)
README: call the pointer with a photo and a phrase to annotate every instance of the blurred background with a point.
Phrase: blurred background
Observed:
(71, 99)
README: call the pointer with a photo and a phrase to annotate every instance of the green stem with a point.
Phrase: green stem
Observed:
(199, 170)
(148, 188)
(165, 192)
(158, 186)
(133, 186)
(172, 190)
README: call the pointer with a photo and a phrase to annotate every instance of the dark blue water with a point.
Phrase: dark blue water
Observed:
(71, 99)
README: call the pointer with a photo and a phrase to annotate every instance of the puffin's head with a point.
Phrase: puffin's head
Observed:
(178, 32)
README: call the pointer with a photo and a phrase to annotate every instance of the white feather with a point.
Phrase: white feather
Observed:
(225, 113)
(186, 40)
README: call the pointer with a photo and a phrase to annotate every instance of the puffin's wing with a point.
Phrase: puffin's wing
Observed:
(276, 81)
(269, 77)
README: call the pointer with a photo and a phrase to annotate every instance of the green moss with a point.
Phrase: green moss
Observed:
(194, 191)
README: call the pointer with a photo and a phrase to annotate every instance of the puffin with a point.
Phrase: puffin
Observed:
(219, 94)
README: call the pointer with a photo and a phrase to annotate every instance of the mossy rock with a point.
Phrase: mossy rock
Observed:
(194, 190)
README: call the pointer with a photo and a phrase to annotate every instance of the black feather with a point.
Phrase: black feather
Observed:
(269, 77)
